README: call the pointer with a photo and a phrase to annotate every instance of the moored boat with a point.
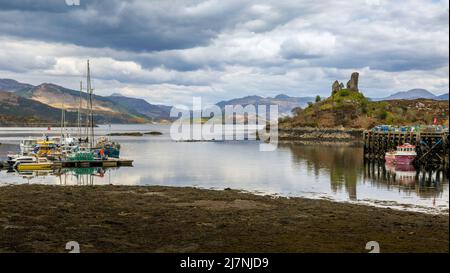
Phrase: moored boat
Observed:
(110, 148)
(405, 154)
(27, 145)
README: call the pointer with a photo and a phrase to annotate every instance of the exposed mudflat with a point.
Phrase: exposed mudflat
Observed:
(36, 218)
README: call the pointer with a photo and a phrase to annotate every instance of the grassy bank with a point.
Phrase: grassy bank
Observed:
(169, 219)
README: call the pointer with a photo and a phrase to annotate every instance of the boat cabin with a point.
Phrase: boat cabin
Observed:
(406, 148)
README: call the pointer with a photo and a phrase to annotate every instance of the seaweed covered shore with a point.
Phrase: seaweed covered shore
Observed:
(38, 218)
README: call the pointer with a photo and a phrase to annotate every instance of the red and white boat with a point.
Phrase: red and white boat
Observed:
(404, 155)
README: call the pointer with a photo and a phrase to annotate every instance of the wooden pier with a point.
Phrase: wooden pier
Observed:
(108, 163)
(432, 147)
(111, 162)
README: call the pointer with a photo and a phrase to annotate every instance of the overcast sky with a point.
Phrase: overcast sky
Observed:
(168, 51)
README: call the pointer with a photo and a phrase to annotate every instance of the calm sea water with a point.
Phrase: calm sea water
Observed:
(315, 171)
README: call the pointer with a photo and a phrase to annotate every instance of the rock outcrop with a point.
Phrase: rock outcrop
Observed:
(336, 87)
(352, 84)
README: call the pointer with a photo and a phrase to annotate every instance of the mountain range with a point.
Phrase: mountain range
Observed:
(107, 109)
(22, 103)
(285, 103)
(413, 94)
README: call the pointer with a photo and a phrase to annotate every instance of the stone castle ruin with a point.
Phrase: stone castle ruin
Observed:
(352, 84)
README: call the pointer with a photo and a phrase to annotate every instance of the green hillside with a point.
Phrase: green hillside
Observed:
(351, 109)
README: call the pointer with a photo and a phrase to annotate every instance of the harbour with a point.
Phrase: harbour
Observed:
(430, 143)
(85, 150)
(333, 172)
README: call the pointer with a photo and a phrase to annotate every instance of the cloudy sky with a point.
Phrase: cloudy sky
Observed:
(168, 51)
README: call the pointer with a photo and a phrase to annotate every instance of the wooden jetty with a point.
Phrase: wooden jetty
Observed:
(432, 147)
(111, 162)
(108, 163)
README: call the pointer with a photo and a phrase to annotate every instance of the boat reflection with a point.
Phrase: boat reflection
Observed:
(425, 183)
(67, 176)
(404, 174)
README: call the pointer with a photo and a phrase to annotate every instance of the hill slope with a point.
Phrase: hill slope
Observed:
(353, 110)
(141, 106)
(13, 85)
(18, 111)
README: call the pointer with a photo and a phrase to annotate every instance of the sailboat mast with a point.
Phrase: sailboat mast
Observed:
(62, 121)
(91, 114)
(79, 110)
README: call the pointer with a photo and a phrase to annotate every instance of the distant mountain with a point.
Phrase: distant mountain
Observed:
(112, 109)
(285, 103)
(153, 111)
(413, 94)
(443, 97)
(13, 85)
(19, 111)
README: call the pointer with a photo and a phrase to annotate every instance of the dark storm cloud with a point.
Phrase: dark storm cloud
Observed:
(122, 25)
(33, 5)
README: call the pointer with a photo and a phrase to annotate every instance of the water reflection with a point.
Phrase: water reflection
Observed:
(347, 169)
(343, 164)
(66, 176)
(424, 183)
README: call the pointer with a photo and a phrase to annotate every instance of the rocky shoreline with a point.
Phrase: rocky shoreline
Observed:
(38, 218)
(314, 135)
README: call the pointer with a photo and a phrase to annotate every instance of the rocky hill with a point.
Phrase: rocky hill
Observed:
(349, 108)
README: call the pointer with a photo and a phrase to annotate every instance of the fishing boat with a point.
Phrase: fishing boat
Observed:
(48, 149)
(110, 148)
(404, 155)
(40, 164)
